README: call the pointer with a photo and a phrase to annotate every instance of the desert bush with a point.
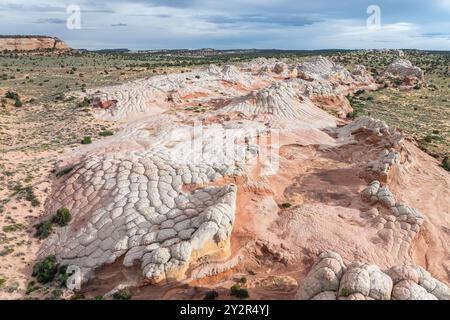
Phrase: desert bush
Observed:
(31, 286)
(85, 102)
(56, 294)
(12, 95)
(43, 229)
(286, 205)
(446, 163)
(45, 271)
(124, 294)
(29, 195)
(238, 292)
(211, 295)
(63, 171)
(62, 217)
(77, 296)
(105, 133)
(86, 140)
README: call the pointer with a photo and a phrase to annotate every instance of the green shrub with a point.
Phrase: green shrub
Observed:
(30, 196)
(286, 205)
(5, 251)
(63, 171)
(18, 103)
(86, 140)
(105, 133)
(56, 294)
(124, 294)
(31, 286)
(61, 276)
(238, 292)
(13, 227)
(62, 217)
(446, 163)
(77, 296)
(43, 229)
(12, 95)
(2, 281)
(45, 271)
(234, 288)
(85, 103)
(428, 138)
(211, 295)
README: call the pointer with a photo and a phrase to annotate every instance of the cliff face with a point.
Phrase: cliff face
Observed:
(32, 43)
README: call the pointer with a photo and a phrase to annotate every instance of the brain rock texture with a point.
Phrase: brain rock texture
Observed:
(330, 279)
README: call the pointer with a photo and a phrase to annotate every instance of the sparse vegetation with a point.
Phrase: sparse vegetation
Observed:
(105, 133)
(62, 217)
(86, 140)
(43, 229)
(63, 171)
(77, 296)
(31, 287)
(45, 271)
(84, 103)
(211, 295)
(286, 205)
(123, 294)
(238, 292)
(446, 163)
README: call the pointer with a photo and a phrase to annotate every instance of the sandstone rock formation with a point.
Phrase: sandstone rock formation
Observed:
(403, 71)
(328, 84)
(32, 43)
(281, 101)
(330, 279)
(235, 155)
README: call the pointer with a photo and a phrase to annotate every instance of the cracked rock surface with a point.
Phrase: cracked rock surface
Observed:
(330, 279)
(136, 207)
(187, 175)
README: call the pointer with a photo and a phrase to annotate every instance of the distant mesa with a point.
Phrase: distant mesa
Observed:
(32, 43)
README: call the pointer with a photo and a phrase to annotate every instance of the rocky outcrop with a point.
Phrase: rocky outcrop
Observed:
(327, 84)
(330, 279)
(32, 43)
(402, 70)
(281, 101)
(407, 218)
(135, 208)
(376, 132)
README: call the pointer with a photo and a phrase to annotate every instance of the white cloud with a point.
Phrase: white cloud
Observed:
(285, 24)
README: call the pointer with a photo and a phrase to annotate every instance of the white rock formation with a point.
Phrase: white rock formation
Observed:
(403, 70)
(135, 207)
(281, 101)
(330, 279)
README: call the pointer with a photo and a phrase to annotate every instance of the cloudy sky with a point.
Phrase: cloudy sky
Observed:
(226, 24)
